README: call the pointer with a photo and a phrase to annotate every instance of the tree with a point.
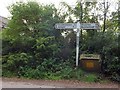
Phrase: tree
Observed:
(30, 32)
(32, 46)
(30, 21)
(82, 12)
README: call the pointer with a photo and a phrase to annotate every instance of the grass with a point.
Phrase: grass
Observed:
(67, 74)
(90, 78)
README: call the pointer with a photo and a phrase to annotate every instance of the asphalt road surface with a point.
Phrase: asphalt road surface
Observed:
(26, 83)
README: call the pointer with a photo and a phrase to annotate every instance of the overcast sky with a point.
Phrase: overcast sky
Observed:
(4, 3)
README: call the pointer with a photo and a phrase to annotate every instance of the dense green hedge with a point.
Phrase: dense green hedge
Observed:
(33, 48)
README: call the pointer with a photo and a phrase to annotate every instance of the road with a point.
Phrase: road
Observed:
(26, 83)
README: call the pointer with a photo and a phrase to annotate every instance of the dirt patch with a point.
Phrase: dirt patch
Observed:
(18, 83)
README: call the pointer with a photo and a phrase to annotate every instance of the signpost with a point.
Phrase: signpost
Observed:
(90, 26)
(77, 26)
(65, 26)
(74, 26)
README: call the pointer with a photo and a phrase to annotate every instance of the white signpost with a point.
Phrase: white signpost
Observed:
(74, 26)
(65, 26)
(77, 26)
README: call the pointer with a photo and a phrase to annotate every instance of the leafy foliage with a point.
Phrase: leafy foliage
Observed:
(33, 48)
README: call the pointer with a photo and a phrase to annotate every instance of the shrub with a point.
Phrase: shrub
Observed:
(66, 72)
(7, 73)
(45, 47)
(32, 73)
(14, 62)
(112, 68)
(78, 73)
(90, 78)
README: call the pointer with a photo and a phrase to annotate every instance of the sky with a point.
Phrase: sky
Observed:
(5, 3)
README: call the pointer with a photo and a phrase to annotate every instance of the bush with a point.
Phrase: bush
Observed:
(79, 73)
(90, 78)
(14, 62)
(7, 73)
(45, 47)
(32, 73)
(106, 44)
(112, 68)
(66, 72)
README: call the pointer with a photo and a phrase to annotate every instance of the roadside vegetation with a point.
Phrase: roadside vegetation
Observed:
(33, 48)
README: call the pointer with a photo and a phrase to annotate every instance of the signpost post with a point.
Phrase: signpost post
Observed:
(77, 42)
(77, 26)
